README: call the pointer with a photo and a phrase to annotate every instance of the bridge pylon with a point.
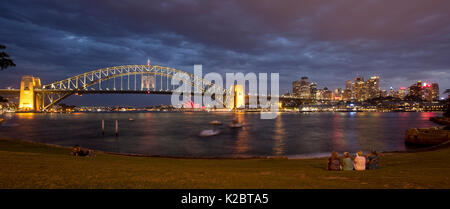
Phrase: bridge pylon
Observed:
(29, 99)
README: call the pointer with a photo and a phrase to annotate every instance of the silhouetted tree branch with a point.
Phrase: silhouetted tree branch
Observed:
(5, 61)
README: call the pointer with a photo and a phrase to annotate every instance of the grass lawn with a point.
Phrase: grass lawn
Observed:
(30, 165)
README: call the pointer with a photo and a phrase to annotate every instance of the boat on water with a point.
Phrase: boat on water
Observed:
(236, 124)
(209, 132)
(215, 122)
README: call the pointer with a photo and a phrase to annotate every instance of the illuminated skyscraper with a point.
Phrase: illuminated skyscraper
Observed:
(338, 94)
(313, 88)
(402, 92)
(415, 90)
(391, 92)
(435, 91)
(348, 92)
(348, 85)
(359, 89)
(347, 95)
(296, 88)
(373, 87)
(305, 88)
(327, 94)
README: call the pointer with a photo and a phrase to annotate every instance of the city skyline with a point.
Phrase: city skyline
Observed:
(405, 44)
(306, 89)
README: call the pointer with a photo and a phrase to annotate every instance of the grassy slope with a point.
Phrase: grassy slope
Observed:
(27, 165)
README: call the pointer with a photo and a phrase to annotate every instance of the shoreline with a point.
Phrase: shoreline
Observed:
(287, 157)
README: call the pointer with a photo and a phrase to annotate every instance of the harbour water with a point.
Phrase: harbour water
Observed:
(177, 134)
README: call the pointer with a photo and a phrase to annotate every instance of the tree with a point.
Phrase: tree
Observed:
(5, 61)
(447, 104)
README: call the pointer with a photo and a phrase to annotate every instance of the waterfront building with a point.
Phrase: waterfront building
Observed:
(426, 93)
(391, 92)
(313, 88)
(373, 87)
(324, 94)
(327, 94)
(338, 94)
(347, 95)
(348, 85)
(435, 92)
(296, 88)
(383, 93)
(305, 88)
(359, 89)
(415, 90)
(402, 92)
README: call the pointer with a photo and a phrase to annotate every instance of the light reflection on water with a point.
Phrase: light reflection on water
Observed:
(176, 134)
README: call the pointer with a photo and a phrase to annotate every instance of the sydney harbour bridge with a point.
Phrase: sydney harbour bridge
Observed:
(126, 79)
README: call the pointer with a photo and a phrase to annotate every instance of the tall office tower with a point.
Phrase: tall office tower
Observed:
(396, 95)
(391, 92)
(327, 94)
(338, 94)
(305, 88)
(359, 89)
(435, 91)
(348, 85)
(347, 95)
(348, 92)
(319, 94)
(383, 93)
(402, 92)
(313, 88)
(323, 94)
(426, 92)
(373, 87)
(415, 90)
(296, 88)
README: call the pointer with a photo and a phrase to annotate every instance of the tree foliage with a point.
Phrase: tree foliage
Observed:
(447, 104)
(3, 99)
(5, 61)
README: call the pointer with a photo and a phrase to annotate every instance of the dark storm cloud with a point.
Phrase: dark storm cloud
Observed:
(329, 41)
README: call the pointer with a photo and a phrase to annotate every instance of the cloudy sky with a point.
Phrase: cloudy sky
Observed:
(401, 41)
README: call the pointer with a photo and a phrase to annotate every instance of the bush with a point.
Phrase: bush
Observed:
(447, 108)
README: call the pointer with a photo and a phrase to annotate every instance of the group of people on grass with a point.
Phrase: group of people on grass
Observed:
(359, 162)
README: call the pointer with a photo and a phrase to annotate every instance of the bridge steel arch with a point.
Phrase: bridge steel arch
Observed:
(53, 93)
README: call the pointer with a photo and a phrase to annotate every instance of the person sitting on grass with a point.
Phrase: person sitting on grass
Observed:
(334, 163)
(347, 162)
(77, 151)
(360, 161)
(372, 160)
